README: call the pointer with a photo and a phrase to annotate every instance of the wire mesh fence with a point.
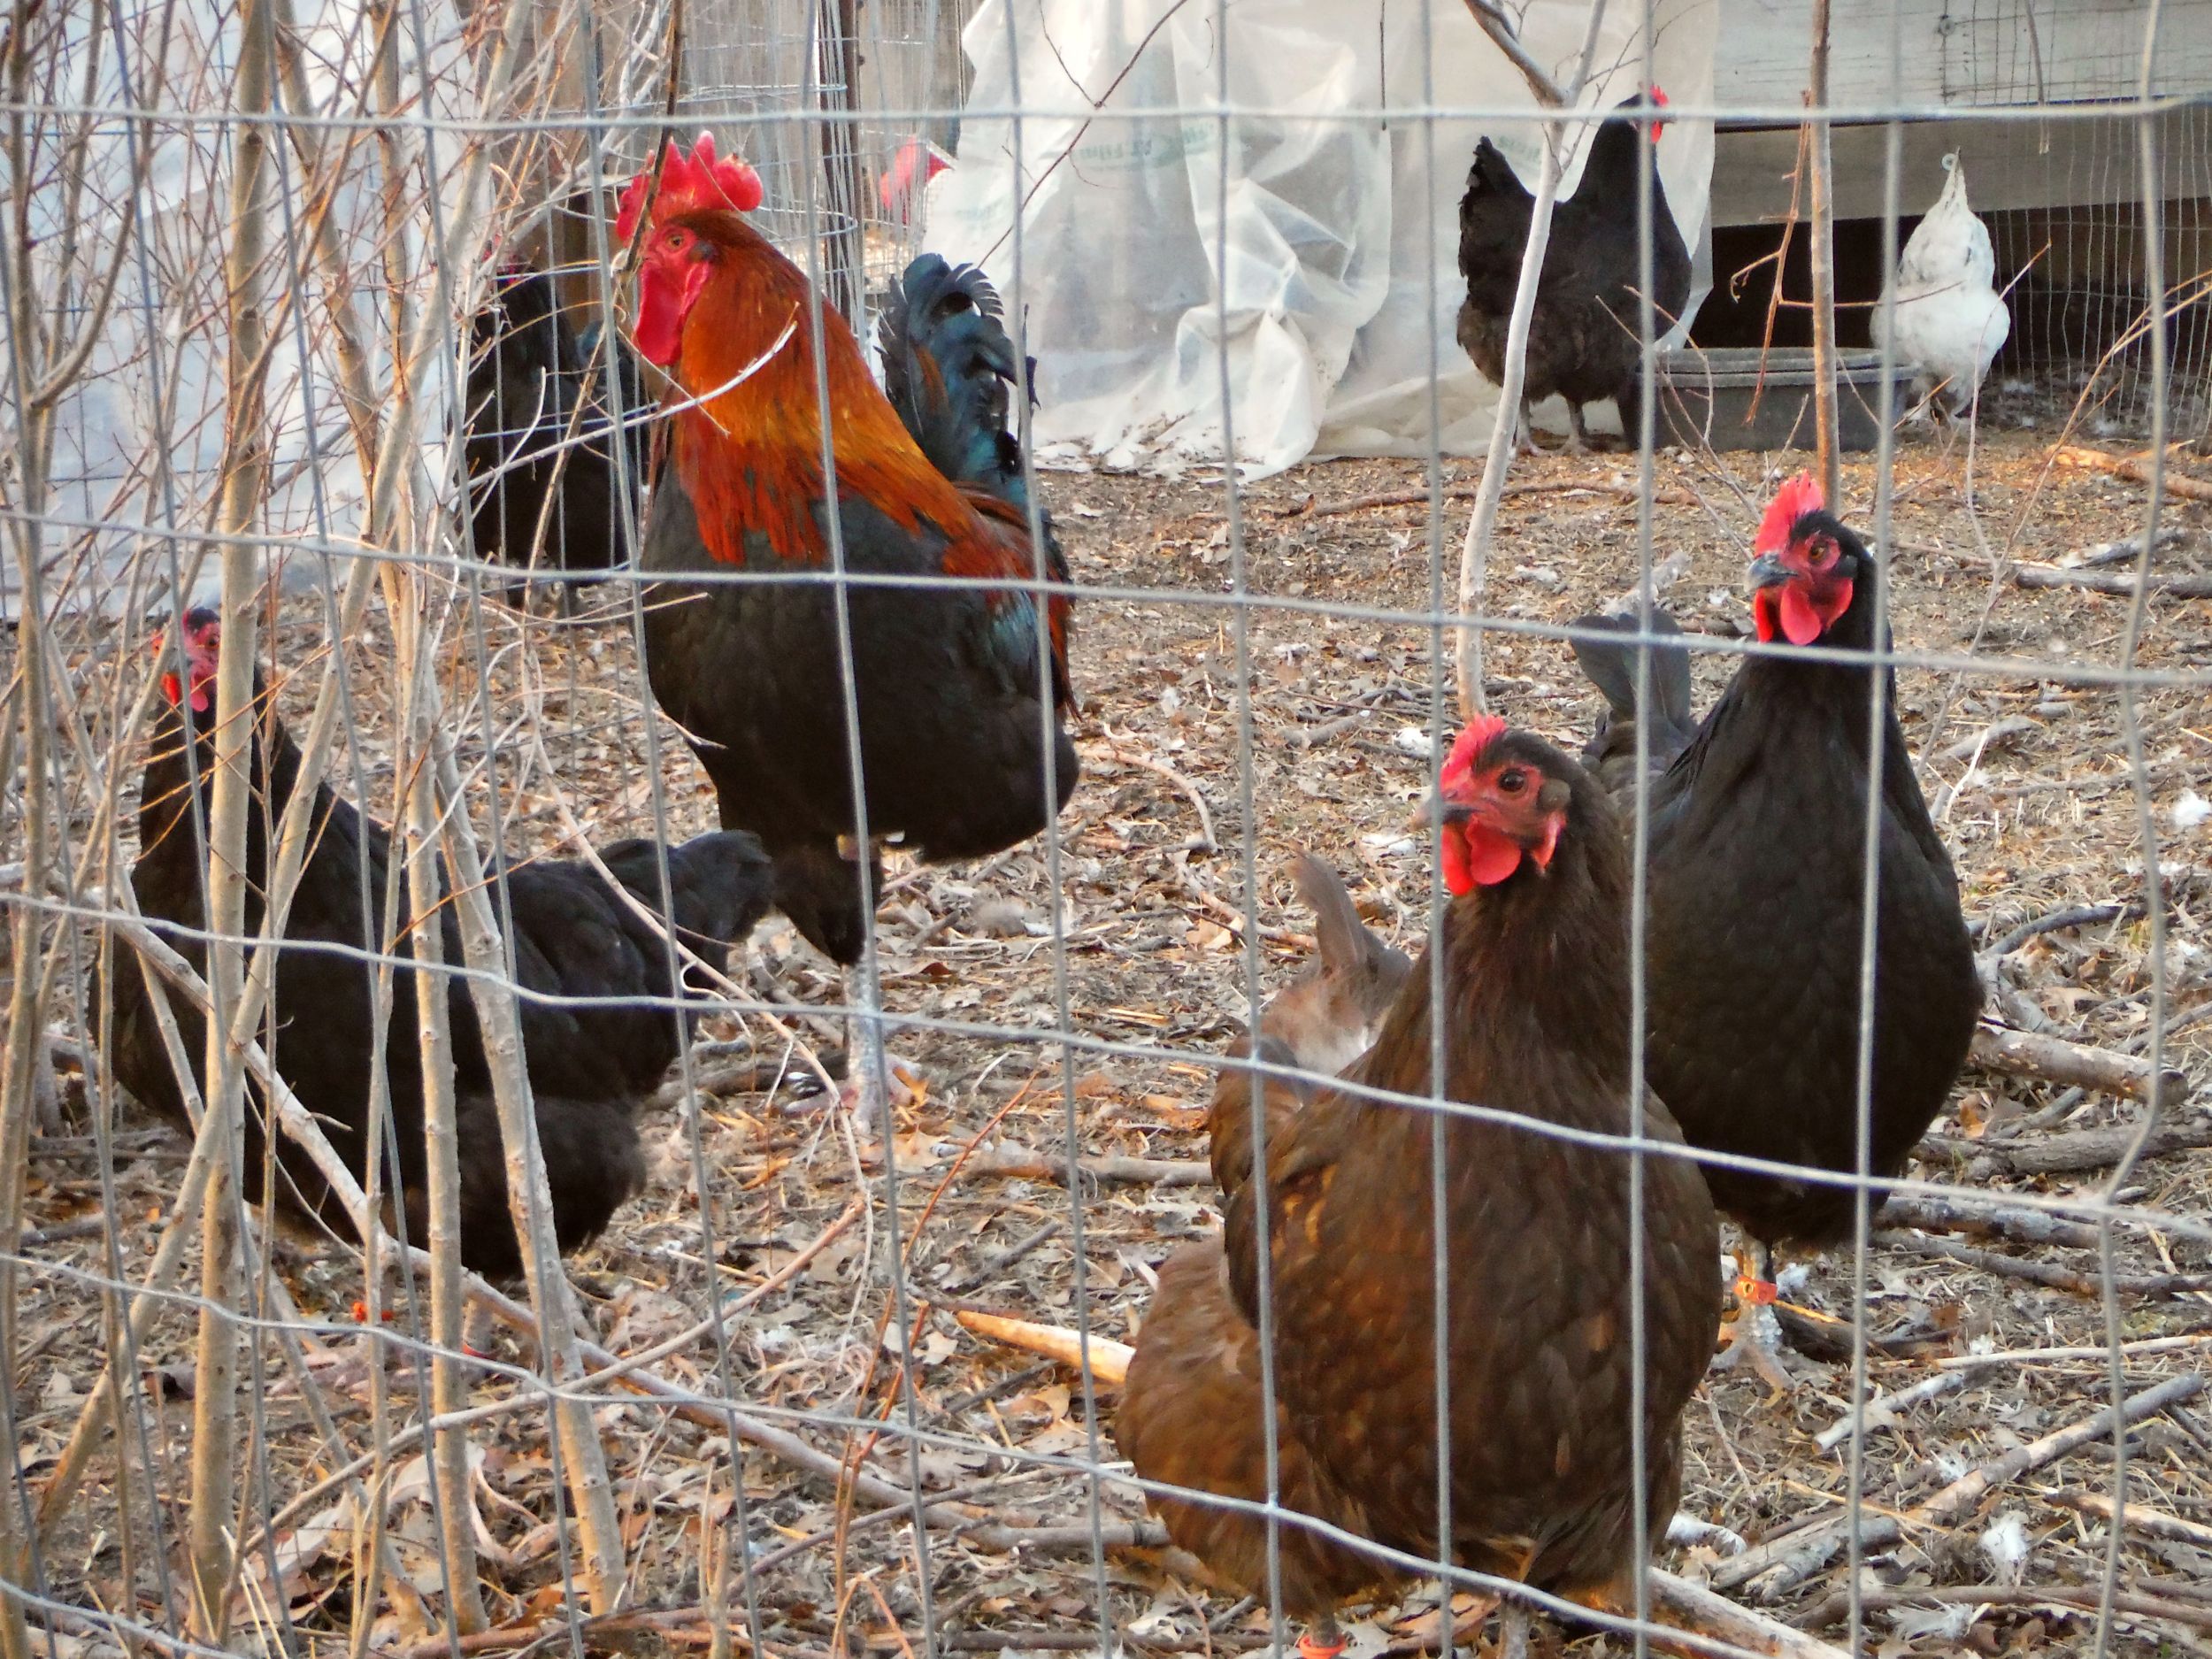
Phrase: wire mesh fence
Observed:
(603, 1053)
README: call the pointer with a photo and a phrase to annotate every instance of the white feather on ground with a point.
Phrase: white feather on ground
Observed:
(1950, 319)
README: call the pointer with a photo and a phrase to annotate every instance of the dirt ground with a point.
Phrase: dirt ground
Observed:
(1207, 732)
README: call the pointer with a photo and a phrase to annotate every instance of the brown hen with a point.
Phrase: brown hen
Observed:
(1543, 1484)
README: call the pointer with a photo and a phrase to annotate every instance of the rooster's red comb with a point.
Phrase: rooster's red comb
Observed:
(689, 182)
(1800, 495)
(1480, 732)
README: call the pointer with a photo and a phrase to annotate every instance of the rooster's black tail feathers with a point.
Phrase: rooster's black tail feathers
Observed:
(949, 370)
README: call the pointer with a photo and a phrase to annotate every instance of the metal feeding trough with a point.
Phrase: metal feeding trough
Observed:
(1706, 397)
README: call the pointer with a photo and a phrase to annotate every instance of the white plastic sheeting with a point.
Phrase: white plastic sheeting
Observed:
(1326, 262)
(139, 440)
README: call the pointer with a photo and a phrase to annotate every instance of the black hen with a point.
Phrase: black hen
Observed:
(1758, 825)
(574, 938)
(1585, 337)
(529, 370)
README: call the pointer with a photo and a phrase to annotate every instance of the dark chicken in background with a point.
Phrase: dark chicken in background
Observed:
(1539, 1234)
(530, 368)
(1586, 335)
(573, 938)
(961, 692)
(1756, 837)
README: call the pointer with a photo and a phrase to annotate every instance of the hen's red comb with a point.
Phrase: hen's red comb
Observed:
(1659, 95)
(1800, 495)
(689, 182)
(1480, 732)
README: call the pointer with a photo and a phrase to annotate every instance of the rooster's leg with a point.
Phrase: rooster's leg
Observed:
(874, 1082)
(1758, 1337)
(1577, 434)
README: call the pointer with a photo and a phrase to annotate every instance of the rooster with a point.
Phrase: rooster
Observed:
(960, 691)
(1585, 339)
(597, 1027)
(1756, 824)
(1538, 1234)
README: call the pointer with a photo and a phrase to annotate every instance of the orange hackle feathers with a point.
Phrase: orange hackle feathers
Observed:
(1796, 498)
(748, 441)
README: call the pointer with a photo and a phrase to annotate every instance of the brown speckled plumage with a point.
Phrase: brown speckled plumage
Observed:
(1536, 988)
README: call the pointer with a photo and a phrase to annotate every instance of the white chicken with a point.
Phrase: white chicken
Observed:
(1950, 319)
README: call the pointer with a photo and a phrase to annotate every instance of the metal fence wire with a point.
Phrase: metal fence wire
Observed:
(453, 1203)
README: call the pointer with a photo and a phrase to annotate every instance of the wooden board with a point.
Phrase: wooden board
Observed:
(1961, 53)
(2025, 164)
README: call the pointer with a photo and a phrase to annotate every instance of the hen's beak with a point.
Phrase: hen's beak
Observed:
(1768, 571)
(1435, 810)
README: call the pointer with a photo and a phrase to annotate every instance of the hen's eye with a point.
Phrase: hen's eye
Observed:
(1512, 780)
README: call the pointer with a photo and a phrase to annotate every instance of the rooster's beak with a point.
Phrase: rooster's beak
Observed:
(1768, 571)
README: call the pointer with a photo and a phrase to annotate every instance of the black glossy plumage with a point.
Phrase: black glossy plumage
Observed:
(573, 938)
(1611, 668)
(1584, 336)
(529, 371)
(947, 682)
(949, 370)
(1756, 874)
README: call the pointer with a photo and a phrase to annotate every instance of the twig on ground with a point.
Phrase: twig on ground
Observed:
(996, 1265)
(2134, 468)
(2139, 1349)
(1314, 736)
(1205, 843)
(2066, 916)
(83, 1227)
(1836, 1606)
(2045, 1273)
(1109, 1360)
(2054, 1060)
(1008, 1158)
(2153, 1522)
(1235, 920)
(2115, 582)
(1311, 509)
(1772, 1569)
(2124, 551)
(1884, 1410)
(1931, 1214)
(1701, 1612)
(2083, 1150)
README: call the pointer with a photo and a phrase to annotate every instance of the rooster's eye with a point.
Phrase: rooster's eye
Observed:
(1512, 780)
